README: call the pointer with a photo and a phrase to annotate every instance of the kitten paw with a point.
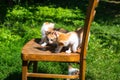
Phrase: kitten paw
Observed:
(68, 51)
(44, 44)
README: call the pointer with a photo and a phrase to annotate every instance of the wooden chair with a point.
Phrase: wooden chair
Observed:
(32, 52)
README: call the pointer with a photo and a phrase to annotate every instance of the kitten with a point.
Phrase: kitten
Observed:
(46, 27)
(71, 39)
(73, 71)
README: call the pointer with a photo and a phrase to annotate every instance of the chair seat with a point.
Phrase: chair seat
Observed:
(34, 52)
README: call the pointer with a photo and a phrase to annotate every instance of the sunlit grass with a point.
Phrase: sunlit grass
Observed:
(103, 52)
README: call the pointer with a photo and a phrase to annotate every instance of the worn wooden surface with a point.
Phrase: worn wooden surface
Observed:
(34, 52)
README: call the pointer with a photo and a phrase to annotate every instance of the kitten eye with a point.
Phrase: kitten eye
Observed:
(51, 39)
(47, 32)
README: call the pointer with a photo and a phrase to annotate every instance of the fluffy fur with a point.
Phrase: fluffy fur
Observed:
(73, 71)
(71, 39)
(46, 27)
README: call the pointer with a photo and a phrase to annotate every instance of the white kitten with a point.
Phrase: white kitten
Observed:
(72, 71)
(46, 27)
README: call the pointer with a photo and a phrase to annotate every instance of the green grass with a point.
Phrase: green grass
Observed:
(22, 23)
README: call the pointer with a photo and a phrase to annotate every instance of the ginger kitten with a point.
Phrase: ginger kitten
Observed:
(71, 39)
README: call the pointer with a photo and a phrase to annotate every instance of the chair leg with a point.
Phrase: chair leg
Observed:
(24, 70)
(35, 63)
(82, 70)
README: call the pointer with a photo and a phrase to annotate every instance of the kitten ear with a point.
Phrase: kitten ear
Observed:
(70, 66)
(52, 25)
(47, 32)
(45, 23)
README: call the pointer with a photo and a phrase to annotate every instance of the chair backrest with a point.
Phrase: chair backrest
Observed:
(89, 18)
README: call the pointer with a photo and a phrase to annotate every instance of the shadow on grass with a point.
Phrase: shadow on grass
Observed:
(14, 76)
(4, 5)
(108, 12)
(89, 77)
(18, 76)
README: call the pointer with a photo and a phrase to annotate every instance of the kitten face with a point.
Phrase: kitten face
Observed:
(56, 36)
(52, 37)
